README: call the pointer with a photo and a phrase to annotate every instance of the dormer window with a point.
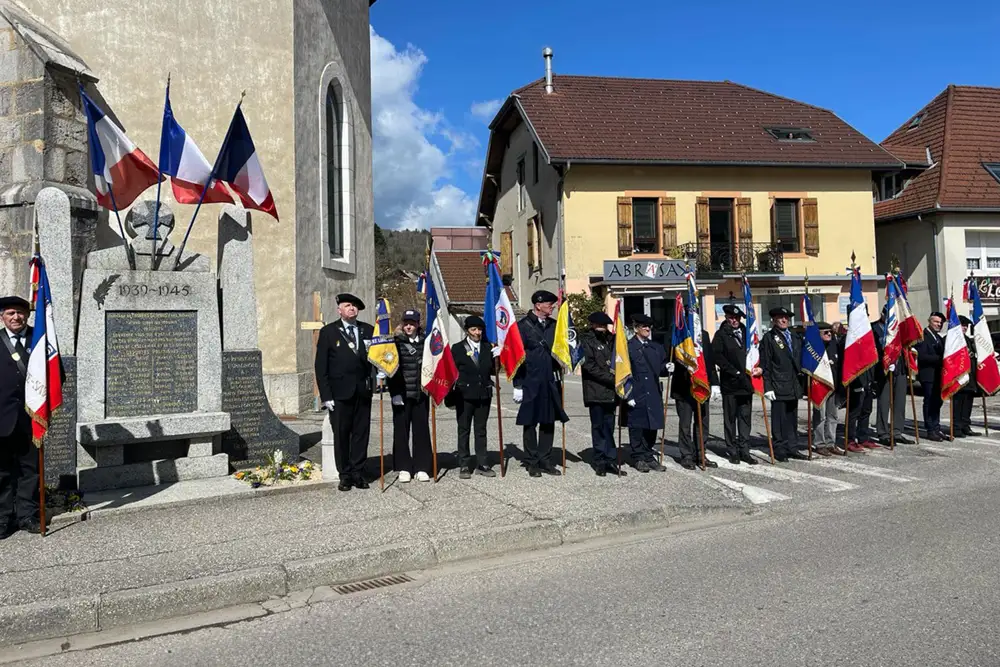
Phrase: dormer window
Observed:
(993, 168)
(916, 121)
(790, 133)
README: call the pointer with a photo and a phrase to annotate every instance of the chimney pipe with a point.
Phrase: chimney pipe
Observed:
(547, 54)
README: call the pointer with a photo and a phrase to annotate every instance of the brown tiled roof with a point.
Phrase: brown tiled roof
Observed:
(962, 128)
(695, 122)
(913, 156)
(464, 276)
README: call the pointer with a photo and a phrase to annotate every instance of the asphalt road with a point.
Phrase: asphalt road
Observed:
(886, 573)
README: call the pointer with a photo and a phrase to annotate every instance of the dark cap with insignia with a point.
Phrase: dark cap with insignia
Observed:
(964, 321)
(411, 315)
(474, 321)
(730, 309)
(780, 311)
(8, 302)
(543, 296)
(641, 319)
(824, 326)
(350, 298)
(599, 318)
(937, 313)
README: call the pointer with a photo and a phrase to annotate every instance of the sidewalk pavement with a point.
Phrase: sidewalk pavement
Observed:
(125, 566)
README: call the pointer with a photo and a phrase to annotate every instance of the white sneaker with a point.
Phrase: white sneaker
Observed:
(423, 477)
(404, 476)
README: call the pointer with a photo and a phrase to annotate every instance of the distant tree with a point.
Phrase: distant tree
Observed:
(581, 305)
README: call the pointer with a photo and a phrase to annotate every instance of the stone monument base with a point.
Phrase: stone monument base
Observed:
(150, 473)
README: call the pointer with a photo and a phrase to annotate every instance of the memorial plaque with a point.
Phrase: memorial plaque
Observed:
(60, 440)
(151, 362)
(255, 430)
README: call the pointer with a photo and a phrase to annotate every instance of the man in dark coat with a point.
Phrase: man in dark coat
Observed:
(410, 405)
(18, 456)
(537, 385)
(781, 362)
(688, 441)
(645, 408)
(930, 354)
(965, 398)
(346, 380)
(827, 416)
(474, 393)
(894, 382)
(730, 353)
(599, 396)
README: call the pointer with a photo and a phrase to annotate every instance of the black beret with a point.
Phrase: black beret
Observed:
(938, 314)
(963, 320)
(474, 321)
(642, 319)
(824, 326)
(780, 311)
(14, 302)
(730, 309)
(411, 315)
(543, 296)
(350, 298)
(599, 318)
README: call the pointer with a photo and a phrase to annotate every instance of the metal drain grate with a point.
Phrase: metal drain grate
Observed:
(372, 584)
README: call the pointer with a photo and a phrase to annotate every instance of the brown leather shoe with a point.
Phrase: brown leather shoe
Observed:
(837, 451)
(823, 451)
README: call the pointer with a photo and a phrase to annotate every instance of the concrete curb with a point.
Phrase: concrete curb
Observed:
(72, 616)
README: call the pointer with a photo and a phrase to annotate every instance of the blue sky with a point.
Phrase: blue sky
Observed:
(441, 67)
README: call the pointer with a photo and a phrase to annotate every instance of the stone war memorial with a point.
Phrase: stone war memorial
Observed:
(166, 383)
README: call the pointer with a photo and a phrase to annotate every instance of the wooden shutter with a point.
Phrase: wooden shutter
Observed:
(701, 220)
(531, 244)
(810, 226)
(624, 226)
(507, 254)
(668, 220)
(539, 241)
(744, 220)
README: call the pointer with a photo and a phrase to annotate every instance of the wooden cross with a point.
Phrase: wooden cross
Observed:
(315, 326)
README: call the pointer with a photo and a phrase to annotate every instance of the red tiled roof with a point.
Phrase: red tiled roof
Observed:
(464, 276)
(695, 122)
(915, 156)
(962, 128)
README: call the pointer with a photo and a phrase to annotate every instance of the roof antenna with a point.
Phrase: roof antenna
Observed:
(547, 54)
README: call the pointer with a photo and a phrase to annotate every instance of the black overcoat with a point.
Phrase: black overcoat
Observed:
(343, 370)
(538, 377)
(781, 364)
(597, 371)
(649, 364)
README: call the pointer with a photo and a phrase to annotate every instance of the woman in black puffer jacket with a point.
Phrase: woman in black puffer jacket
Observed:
(410, 404)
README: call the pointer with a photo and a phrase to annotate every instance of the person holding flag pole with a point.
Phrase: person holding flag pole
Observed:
(781, 362)
(622, 367)
(567, 353)
(816, 365)
(987, 371)
(889, 384)
(910, 334)
(752, 366)
(955, 361)
(859, 355)
(966, 396)
(384, 355)
(438, 374)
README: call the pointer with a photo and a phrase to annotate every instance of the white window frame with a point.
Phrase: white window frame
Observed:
(334, 75)
(977, 248)
(520, 176)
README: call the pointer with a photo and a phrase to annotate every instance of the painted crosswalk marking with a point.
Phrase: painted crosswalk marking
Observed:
(865, 469)
(784, 474)
(754, 494)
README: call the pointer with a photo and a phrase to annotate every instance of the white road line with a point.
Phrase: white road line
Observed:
(784, 474)
(978, 441)
(754, 494)
(942, 449)
(863, 469)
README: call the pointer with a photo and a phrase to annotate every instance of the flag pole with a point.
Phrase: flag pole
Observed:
(503, 468)
(434, 438)
(986, 422)
(129, 255)
(767, 427)
(381, 436)
(701, 434)
(951, 417)
(666, 402)
(618, 443)
(159, 182)
(41, 487)
(809, 423)
(892, 411)
(913, 404)
(562, 399)
(847, 419)
(208, 182)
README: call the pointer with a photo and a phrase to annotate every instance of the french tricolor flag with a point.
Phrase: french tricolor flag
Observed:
(238, 166)
(184, 163)
(121, 171)
(956, 363)
(859, 347)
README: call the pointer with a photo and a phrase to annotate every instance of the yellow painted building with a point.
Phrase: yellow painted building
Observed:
(616, 185)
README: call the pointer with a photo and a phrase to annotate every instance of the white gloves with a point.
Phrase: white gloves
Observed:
(716, 393)
(329, 405)
(496, 351)
(631, 402)
(518, 395)
(769, 395)
(670, 367)
(381, 376)
(892, 368)
(397, 400)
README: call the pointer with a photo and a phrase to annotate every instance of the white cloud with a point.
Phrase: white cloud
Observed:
(485, 111)
(412, 147)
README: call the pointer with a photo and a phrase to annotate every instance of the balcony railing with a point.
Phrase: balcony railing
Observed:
(719, 258)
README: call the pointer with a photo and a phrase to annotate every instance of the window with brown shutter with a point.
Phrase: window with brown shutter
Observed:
(507, 254)
(701, 220)
(531, 244)
(785, 228)
(810, 226)
(668, 221)
(539, 241)
(624, 226)
(744, 220)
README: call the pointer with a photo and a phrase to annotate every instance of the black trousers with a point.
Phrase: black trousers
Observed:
(412, 415)
(538, 447)
(351, 421)
(602, 429)
(895, 385)
(736, 413)
(641, 441)
(687, 435)
(964, 402)
(18, 480)
(784, 426)
(932, 406)
(470, 412)
(859, 420)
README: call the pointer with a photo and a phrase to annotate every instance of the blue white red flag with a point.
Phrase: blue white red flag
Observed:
(860, 353)
(43, 382)
(956, 364)
(184, 163)
(437, 370)
(987, 369)
(815, 361)
(892, 341)
(239, 166)
(121, 171)
(501, 326)
(752, 342)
